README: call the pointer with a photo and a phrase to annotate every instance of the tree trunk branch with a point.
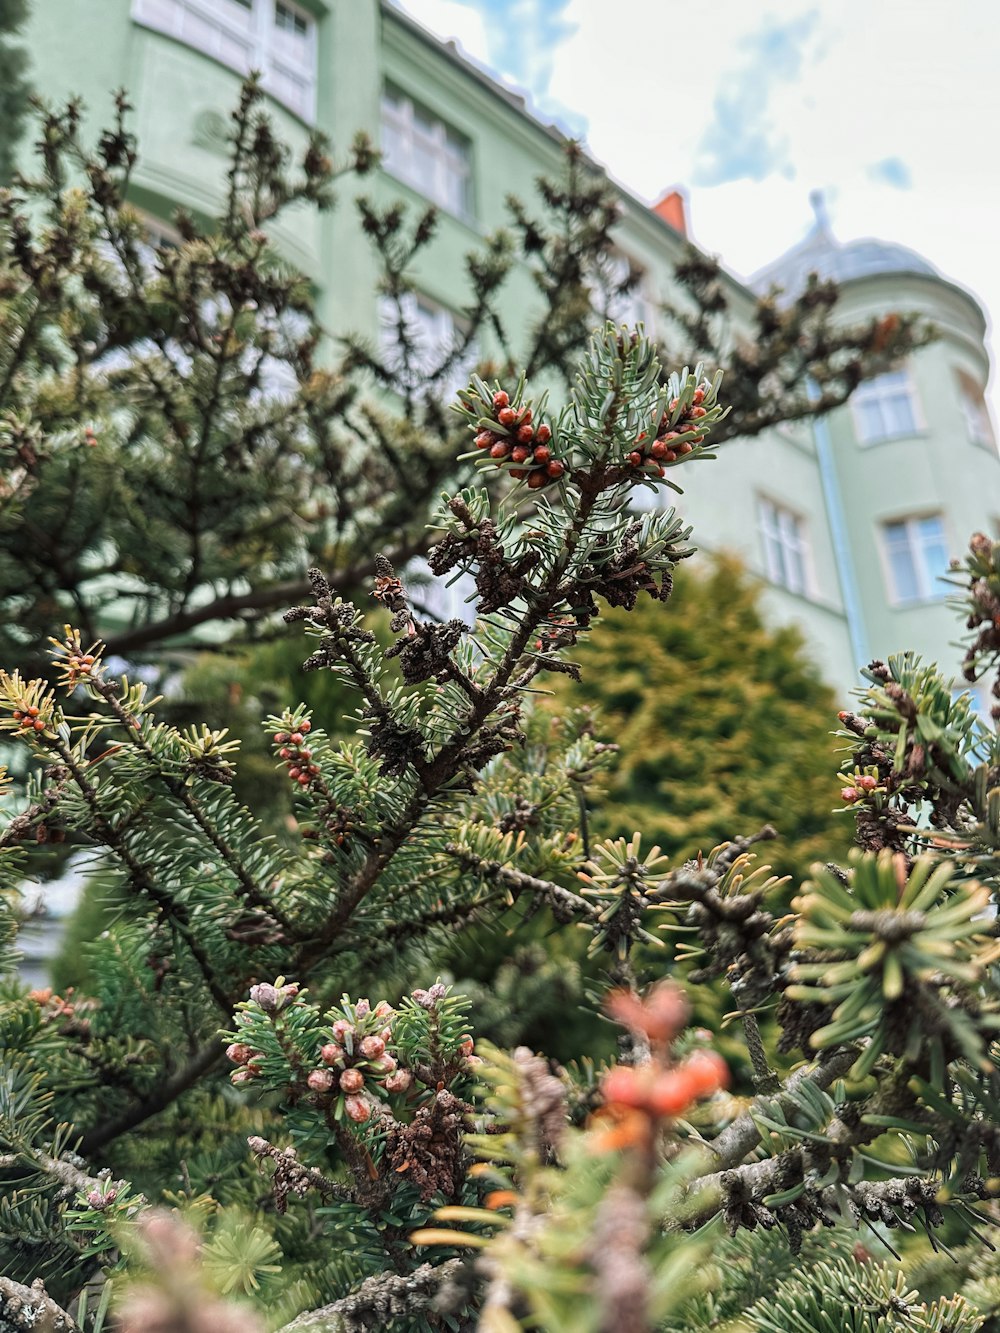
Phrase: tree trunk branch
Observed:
(385, 1296)
(168, 1091)
(31, 1309)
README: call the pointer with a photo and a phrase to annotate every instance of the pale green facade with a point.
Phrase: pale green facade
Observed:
(829, 523)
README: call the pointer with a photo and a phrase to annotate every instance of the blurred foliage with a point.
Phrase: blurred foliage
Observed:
(723, 724)
(14, 86)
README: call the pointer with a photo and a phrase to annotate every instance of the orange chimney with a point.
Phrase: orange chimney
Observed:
(672, 208)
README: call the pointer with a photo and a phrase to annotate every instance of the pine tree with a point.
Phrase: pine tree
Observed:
(175, 425)
(600, 1194)
(695, 701)
(368, 1161)
(14, 85)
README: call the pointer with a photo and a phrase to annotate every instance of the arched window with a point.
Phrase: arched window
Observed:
(275, 37)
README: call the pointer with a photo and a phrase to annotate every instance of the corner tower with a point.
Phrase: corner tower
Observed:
(912, 457)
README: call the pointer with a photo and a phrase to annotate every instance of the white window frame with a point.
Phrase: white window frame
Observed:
(784, 541)
(975, 411)
(244, 35)
(930, 587)
(631, 308)
(894, 385)
(434, 326)
(159, 234)
(449, 149)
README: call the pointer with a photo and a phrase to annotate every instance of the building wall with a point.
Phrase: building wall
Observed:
(935, 469)
(183, 102)
(722, 503)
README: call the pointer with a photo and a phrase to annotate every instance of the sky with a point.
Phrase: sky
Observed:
(891, 108)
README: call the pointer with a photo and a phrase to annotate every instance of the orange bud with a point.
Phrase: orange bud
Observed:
(619, 1127)
(661, 1015)
(500, 1199)
(624, 1086)
(707, 1070)
(672, 1093)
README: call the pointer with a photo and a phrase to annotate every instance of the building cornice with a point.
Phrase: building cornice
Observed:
(952, 307)
(525, 126)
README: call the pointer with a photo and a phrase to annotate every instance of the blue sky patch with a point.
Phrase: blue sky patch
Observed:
(523, 37)
(891, 171)
(742, 142)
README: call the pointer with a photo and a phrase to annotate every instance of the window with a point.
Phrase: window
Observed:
(434, 333)
(273, 36)
(978, 426)
(917, 557)
(620, 292)
(289, 20)
(885, 408)
(426, 153)
(786, 555)
(159, 235)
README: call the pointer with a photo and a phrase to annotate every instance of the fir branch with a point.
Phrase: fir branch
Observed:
(168, 1089)
(734, 1144)
(266, 598)
(65, 1172)
(142, 878)
(436, 772)
(249, 888)
(292, 1176)
(765, 1079)
(519, 882)
(454, 914)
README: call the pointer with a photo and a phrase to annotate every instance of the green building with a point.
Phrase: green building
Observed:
(850, 523)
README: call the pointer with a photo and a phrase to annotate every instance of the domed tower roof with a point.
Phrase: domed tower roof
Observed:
(823, 254)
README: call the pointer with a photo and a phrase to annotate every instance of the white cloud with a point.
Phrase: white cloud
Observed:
(912, 81)
(452, 19)
(518, 39)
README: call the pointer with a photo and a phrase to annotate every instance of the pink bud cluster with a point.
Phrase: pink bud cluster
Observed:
(272, 999)
(860, 787)
(668, 444)
(29, 719)
(510, 436)
(248, 1061)
(356, 1061)
(296, 755)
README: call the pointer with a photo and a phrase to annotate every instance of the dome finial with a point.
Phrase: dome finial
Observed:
(818, 200)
